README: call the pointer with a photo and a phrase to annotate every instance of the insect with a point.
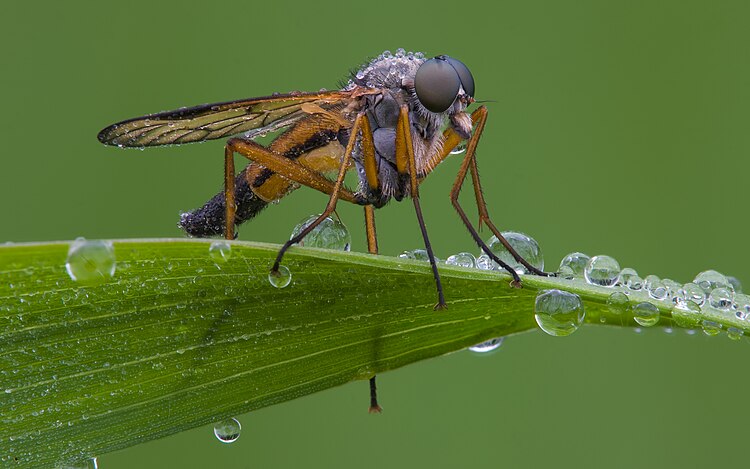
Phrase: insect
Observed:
(396, 119)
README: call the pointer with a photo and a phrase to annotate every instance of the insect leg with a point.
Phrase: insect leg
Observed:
(479, 117)
(336, 192)
(485, 217)
(405, 162)
(288, 168)
(372, 248)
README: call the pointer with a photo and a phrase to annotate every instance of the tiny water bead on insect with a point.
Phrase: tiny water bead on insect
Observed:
(227, 431)
(220, 251)
(488, 345)
(558, 313)
(329, 234)
(91, 262)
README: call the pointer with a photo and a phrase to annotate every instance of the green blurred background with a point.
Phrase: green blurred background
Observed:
(617, 127)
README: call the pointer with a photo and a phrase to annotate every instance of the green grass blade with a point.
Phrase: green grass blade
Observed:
(175, 340)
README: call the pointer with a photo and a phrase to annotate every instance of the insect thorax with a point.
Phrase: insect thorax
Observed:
(394, 74)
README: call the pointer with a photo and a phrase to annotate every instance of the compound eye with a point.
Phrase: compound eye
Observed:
(467, 80)
(437, 83)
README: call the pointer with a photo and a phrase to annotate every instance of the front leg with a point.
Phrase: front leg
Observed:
(405, 163)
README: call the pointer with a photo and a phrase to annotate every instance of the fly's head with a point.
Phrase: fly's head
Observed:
(444, 86)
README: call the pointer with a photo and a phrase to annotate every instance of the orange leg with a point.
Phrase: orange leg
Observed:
(336, 192)
(278, 164)
(479, 118)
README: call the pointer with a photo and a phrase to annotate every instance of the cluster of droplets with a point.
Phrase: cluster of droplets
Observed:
(388, 69)
(523, 244)
(710, 296)
(710, 300)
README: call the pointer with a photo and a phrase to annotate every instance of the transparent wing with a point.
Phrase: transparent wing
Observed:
(211, 121)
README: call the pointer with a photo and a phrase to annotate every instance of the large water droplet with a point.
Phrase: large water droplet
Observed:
(329, 234)
(618, 302)
(710, 280)
(525, 246)
(629, 278)
(281, 278)
(220, 251)
(602, 271)
(463, 259)
(558, 313)
(573, 265)
(487, 346)
(91, 262)
(227, 431)
(646, 314)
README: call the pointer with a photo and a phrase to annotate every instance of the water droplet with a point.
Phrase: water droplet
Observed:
(711, 279)
(463, 259)
(280, 279)
(573, 265)
(646, 314)
(407, 255)
(558, 313)
(657, 290)
(421, 255)
(220, 251)
(602, 271)
(487, 346)
(525, 246)
(671, 285)
(329, 234)
(686, 313)
(690, 292)
(227, 431)
(735, 333)
(721, 299)
(710, 328)
(618, 302)
(735, 283)
(460, 148)
(741, 306)
(91, 262)
(629, 278)
(485, 263)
